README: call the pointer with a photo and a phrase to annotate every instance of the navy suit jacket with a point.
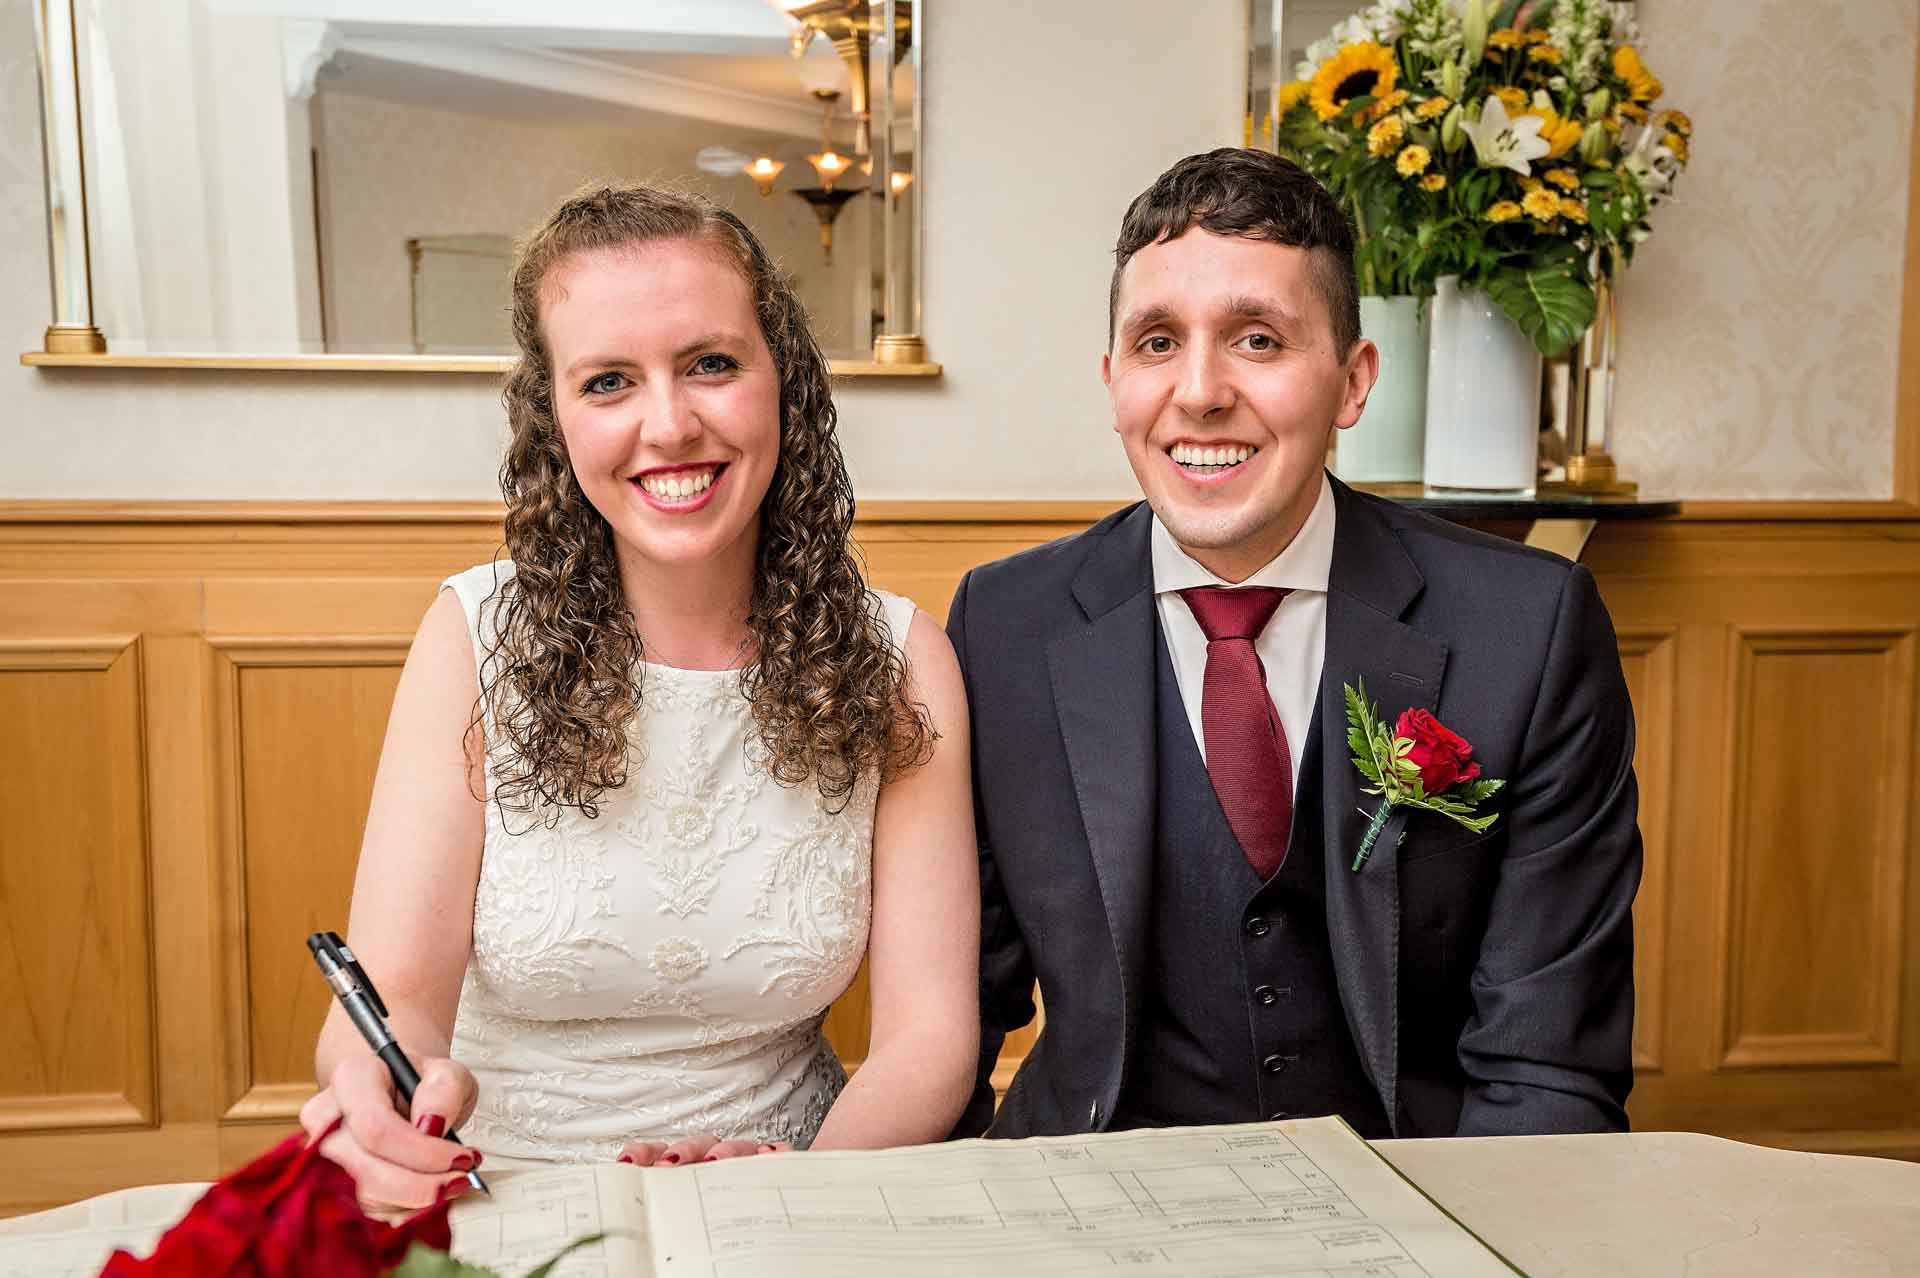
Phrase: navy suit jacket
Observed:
(1487, 979)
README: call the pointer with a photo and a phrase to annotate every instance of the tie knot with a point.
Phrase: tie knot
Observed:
(1239, 612)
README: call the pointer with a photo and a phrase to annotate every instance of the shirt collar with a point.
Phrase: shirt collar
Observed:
(1303, 565)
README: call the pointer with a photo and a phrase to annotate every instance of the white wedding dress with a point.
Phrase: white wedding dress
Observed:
(663, 969)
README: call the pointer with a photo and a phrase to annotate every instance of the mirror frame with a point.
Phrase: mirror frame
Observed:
(863, 30)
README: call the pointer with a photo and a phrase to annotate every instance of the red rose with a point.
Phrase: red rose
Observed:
(1443, 755)
(287, 1213)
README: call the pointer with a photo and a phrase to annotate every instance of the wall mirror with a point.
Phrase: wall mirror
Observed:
(346, 178)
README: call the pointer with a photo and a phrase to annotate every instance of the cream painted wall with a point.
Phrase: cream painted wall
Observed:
(1760, 321)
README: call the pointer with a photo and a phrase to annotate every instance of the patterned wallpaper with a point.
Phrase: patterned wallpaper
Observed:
(1759, 325)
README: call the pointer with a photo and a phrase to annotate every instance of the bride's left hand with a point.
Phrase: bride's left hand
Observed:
(696, 1149)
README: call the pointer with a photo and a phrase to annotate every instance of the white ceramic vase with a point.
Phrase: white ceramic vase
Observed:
(1483, 396)
(1384, 445)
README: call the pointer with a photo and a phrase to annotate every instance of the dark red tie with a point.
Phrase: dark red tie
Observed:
(1247, 753)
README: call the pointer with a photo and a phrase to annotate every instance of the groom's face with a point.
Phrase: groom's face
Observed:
(1227, 384)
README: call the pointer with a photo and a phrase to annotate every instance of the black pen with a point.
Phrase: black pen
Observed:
(354, 988)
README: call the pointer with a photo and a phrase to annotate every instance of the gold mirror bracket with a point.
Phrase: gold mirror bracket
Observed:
(73, 331)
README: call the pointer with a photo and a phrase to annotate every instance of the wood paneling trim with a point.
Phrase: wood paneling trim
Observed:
(1652, 652)
(1882, 758)
(1077, 513)
(247, 1098)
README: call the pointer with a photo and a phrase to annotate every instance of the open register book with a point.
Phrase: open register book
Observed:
(1301, 1199)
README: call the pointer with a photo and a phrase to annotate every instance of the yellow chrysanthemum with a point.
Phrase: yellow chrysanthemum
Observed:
(1544, 53)
(1511, 97)
(1603, 163)
(1505, 38)
(1573, 210)
(1292, 94)
(1385, 136)
(1432, 108)
(1503, 211)
(1565, 179)
(1528, 182)
(1388, 105)
(1677, 144)
(1434, 182)
(1674, 122)
(1561, 135)
(1413, 160)
(1358, 70)
(1538, 35)
(1641, 83)
(1542, 205)
(1633, 111)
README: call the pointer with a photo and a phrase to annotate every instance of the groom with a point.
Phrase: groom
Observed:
(1169, 811)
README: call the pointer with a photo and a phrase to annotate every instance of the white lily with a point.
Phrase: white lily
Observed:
(1650, 162)
(1502, 142)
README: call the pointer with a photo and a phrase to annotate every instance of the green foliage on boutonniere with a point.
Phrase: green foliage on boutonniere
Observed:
(1421, 763)
(423, 1261)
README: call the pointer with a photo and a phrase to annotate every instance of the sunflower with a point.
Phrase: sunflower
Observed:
(1544, 53)
(1541, 205)
(1642, 84)
(1435, 107)
(1505, 38)
(1292, 94)
(1413, 160)
(1674, 122)
(1434, 182)
(1676, 143)
(1358, 70)
(1538, 35)
(1384, 137)
(1565, 179)
(1503, 211)
(1572, 210)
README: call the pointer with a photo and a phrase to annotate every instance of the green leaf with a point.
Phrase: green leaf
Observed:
(1550, 303)
(564, 1252)
(422, 1261)
(1481, 790)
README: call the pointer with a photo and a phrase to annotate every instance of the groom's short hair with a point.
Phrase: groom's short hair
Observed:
(1257, 195)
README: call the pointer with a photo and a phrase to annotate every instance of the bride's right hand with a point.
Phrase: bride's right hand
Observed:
(396, 1161)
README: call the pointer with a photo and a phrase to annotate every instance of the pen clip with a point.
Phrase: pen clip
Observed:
(336, 949)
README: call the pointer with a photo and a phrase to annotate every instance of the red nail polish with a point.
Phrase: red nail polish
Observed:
(431, 1124)
(766, 1149)
(627, 1158)
(711, 1158)
(668, 1160)
(466, 1162)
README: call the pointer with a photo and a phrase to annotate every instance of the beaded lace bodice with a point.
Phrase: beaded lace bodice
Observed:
(662, 969)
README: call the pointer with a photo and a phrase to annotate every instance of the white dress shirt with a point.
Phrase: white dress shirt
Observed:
(1292, 648)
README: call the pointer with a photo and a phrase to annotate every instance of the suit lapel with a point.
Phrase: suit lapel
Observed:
(1103, 688)
(1371, 585)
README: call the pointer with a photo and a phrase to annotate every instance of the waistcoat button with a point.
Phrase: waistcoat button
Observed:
(1275, 1064)
(1258, 926)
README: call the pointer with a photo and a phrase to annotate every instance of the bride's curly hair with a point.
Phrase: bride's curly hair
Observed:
(561, 685)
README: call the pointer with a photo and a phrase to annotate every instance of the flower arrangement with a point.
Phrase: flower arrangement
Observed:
(1513, 143)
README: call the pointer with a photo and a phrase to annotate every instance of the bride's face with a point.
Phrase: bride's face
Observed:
(667, 397)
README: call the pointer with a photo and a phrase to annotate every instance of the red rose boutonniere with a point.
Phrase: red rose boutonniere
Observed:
(1422, 763)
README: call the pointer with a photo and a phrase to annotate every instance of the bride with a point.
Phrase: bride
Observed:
(654, 787)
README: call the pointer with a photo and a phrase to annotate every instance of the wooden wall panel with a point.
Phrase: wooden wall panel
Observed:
(1771, 662)
(1647, 657)
(1810, 938)
(76, 992)
(304, 721)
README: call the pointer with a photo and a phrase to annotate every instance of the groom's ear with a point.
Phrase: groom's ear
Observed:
(1106, 369)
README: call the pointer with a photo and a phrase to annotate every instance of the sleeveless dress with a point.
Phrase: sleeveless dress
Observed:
(663, 969)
